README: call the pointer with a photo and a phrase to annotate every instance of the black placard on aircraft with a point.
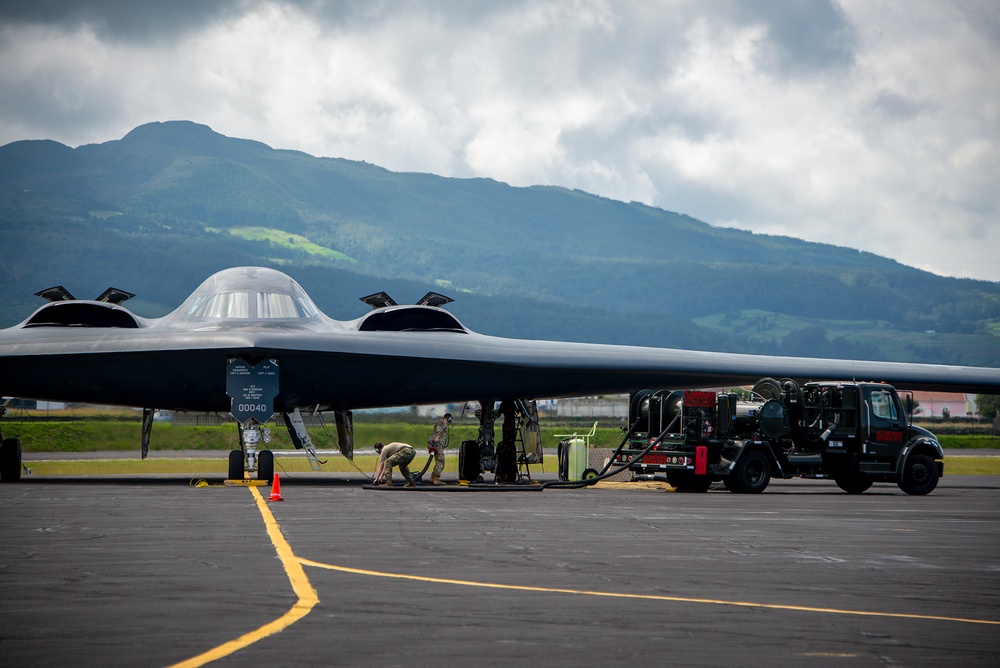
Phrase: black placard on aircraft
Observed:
(252, 389)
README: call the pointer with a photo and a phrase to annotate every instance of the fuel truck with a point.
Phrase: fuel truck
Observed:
(856, 433)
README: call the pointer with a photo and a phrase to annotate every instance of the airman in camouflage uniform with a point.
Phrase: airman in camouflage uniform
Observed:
(394, 454)
(436, 445)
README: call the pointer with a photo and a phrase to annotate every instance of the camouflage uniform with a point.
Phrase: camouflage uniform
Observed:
(436, 444)
(397, 454)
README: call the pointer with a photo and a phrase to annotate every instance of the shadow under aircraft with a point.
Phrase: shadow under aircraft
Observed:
(249, 341)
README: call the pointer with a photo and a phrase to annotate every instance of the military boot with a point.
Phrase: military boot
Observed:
(410, 483)
(387, 482)
(436, 480)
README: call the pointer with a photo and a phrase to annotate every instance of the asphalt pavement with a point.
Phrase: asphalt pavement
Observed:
(157, 571)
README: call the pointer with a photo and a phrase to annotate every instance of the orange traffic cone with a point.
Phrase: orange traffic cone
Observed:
(276, 489)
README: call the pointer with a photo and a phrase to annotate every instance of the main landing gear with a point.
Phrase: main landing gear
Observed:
(10, 460)
(10, 457)
(252, 463)
(247, 460)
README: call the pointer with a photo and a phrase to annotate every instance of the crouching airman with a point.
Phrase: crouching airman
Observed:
(394, 454)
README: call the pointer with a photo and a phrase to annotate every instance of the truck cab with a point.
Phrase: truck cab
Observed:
(889, 448)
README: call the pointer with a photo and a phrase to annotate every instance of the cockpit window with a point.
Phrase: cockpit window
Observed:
(232, 305)
(279, 305)
(252, 306)
(249, 293)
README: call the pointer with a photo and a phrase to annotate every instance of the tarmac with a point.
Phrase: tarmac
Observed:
(126, 571)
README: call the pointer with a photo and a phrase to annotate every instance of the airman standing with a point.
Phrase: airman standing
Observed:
(436, 445)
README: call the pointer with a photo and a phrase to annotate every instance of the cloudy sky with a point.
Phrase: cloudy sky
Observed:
(874, 125)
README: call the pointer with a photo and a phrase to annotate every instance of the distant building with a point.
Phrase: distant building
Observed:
(939, 404)
(27, 404)
(615, 406)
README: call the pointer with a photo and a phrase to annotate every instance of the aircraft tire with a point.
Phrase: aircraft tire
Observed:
(468, 461)
(920, 475)
(853, 483)
(753, 472)
(10, 460)
(265, 466)
(236, 465)
(562, 460)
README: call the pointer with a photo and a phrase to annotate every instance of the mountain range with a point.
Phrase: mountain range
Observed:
(159, 210)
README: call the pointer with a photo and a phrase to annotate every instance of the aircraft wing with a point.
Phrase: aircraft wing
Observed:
(393, 356)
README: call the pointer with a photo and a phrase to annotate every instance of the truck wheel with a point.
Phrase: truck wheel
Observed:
(753, 473)
(686, 483)
(697, 485)
(920, 475)
(853, 483)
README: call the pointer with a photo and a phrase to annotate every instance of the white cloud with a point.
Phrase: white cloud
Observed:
(860, 124)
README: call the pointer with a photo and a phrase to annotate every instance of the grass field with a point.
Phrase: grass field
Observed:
(120, 435)
(288, 240)
(92, 435)
(972, 465)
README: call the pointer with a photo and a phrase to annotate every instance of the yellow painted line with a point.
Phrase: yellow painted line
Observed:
(646, 597)
(307, 598)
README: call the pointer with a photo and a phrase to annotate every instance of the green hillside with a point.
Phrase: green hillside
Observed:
(159, 210)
